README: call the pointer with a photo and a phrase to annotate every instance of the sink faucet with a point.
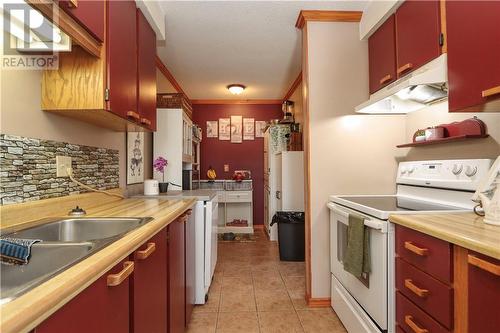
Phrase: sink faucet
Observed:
(77, 211)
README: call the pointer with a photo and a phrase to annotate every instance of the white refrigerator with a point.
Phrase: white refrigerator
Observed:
(287, 186)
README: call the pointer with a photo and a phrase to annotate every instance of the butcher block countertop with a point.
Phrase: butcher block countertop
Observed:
(30, 309)
(463, 229)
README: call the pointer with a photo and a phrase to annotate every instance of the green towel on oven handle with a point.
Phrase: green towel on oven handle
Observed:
(357, 257)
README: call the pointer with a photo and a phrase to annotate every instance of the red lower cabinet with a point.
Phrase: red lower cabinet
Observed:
(149, 286)
(190, 266)
(101, 307)
(176, 276)
(484, 294)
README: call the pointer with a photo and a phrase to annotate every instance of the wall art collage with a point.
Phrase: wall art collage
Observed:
(236, 129)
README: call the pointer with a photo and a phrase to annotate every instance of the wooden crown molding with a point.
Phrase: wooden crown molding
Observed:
(164, 70)
(294, 86)
(236, 101)
(327, 16)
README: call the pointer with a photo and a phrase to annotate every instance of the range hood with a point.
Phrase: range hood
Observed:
(422, 87)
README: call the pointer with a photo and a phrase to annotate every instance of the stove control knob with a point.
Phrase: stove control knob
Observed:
(411, 169)
(457, 169)
(403, 171)
(470, 171)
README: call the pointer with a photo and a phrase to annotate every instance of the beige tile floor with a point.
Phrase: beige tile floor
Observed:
(253, 291)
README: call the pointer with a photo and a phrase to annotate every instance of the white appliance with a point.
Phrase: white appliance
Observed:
(423, 187)
(206, 219)
(412, 92)
(288, 179)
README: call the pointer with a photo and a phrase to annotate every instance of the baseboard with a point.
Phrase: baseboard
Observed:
(318, 302)
(258, 227)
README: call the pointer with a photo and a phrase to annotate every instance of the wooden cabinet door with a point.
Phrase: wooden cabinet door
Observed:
(417, 34)
(473, 39)
(176, 277)
(122, 58)
(146, 72)
(190, 266)
(89, 13)
(98, 308)
(149, 286)
(484, 291)
(382, 55)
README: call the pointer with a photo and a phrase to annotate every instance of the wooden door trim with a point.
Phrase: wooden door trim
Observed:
(460, 288)
(293, 87)
(327, 16)
(67, 24)
(442, 14)
(168, 75)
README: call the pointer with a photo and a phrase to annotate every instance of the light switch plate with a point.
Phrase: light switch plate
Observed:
(62, 163)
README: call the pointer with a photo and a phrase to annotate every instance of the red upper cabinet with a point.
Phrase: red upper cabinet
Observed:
(417, 34)
(473, 37)
(149, 287)
(382, 55)
(89, 13)
(122, 59)
(99, 308)
(483, 295)
(146, 72)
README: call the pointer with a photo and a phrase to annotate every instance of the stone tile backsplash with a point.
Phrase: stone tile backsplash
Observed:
(28, 169)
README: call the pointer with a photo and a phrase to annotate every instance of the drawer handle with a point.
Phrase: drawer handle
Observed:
(133, 115)
(145, 121)
(491, 91)
(143, 254)
(116, 279)
(404, 68)
(409, 321)
(484, 265)
(415, 249)
(386, 78)
(416, 290)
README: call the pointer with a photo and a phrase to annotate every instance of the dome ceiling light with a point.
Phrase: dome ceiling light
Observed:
(236, 89)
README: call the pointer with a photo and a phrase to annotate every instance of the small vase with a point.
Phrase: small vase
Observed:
(163, 187)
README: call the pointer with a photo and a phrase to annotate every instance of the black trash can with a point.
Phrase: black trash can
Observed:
(291, 237)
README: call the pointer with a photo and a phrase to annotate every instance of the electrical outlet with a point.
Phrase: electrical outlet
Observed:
(226, 167)
(62, 164)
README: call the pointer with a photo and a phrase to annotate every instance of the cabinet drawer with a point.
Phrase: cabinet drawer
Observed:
(429, 254)
(221, 196)
(412, 319)
(431, 295)
(239, 196)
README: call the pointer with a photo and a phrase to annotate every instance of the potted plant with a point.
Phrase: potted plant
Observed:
(159, 165)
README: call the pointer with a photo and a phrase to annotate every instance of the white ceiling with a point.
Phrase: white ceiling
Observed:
(210, 44)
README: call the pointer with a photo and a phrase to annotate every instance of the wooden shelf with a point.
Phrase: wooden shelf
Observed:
(443, 140)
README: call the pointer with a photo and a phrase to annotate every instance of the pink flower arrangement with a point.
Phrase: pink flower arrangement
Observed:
(159, 165)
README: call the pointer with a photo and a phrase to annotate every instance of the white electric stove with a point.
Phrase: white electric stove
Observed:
(366, 305)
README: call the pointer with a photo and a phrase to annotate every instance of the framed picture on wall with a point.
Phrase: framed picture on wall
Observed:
(135, 157)
(236, 129)
(212, 129)
(224, 129)
(248, 128)
(260, 126)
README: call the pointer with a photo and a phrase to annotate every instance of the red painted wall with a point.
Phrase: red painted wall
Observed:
(248, 155)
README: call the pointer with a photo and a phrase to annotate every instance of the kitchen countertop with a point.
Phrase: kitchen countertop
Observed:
(464, 229)
(200, 195)
(30, 309)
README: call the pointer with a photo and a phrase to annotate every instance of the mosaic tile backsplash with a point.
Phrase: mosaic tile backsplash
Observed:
(28, 169)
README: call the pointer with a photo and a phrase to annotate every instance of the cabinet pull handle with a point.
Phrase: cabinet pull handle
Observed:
(416, 290)
(145, 121)
(491, 91)
(117, 279)
(134, 115)
(404, 68)
(415, 249)
(386, 78)
(484, 265)
(143, 254)
(189, 212)
(409, 321)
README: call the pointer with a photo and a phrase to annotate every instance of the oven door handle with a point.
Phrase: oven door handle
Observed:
(377, 225)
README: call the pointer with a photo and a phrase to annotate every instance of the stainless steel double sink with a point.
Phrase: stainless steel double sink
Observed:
(64, 242)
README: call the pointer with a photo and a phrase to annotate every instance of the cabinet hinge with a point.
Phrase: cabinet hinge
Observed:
(106, 94)
(441, 39)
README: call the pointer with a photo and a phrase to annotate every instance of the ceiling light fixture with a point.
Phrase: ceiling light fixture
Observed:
(236, 89)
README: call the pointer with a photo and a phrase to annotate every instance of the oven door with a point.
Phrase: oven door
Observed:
(372, 296)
